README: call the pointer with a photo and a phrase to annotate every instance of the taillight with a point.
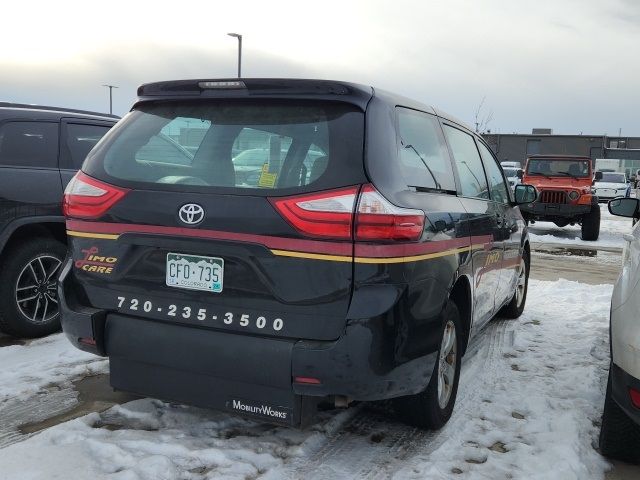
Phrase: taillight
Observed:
(326, 214)
(86, 197)
(635, 397)
(379, 220)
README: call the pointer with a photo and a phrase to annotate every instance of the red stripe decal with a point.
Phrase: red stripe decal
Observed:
(278, 243)
(411, 249)
(284, 243)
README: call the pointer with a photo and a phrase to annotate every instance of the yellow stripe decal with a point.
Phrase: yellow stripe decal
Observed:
(413, 258)
(379, 260)
(104, 236)
(315, 256)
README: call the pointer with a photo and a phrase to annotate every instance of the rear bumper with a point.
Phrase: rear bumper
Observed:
(539, 211)
(621, 382)
(238, 372)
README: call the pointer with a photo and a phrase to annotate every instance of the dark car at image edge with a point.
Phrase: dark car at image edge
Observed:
(41, 148)
(380, 236)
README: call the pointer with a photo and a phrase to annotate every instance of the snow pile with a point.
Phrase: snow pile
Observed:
(540, 419)
(535, 417)
(27, 369)
(611, 230)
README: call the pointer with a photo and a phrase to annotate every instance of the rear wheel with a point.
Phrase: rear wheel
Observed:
(591, 224)
(619, 436)
(515, 307)
(433, 407)
(28, 279)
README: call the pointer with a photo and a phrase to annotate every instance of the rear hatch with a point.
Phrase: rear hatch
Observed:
(232, 214)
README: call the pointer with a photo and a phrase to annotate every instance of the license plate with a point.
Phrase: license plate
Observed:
(195, 272)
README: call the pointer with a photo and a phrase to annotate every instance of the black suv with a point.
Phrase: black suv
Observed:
(378, 237)
(41, 148)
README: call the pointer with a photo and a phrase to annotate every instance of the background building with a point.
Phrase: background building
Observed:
(515, 147)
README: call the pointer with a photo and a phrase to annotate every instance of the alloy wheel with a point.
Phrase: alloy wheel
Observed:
(447, 364)
(522, 283)
(35, 290)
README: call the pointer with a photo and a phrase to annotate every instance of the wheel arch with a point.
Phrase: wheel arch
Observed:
(461, 295)
(22, 229)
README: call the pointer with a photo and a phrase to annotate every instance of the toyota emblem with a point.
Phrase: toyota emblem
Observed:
(191, 213)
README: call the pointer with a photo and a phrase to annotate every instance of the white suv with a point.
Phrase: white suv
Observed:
(620, 433)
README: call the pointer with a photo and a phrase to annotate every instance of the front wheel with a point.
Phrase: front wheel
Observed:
(591, 224)
(432, 408)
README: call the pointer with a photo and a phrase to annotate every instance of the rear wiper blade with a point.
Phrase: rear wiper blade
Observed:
(420, 188)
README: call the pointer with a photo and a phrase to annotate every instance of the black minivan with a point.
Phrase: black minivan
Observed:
(355, 263)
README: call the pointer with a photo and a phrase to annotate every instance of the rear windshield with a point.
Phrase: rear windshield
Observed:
(248, 147)
(614, 177)
(559, 168)
(510, 172)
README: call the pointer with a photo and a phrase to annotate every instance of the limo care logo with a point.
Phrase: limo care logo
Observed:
(262, 410)
(191, 213)
(92, 262)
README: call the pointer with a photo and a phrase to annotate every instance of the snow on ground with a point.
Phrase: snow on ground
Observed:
(537, 418)
(611, 230)
(27, 369)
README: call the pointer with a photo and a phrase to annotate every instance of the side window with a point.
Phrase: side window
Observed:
(424, 160)
(80, 140)
(29, 144)
(472, 177)
(497, 185)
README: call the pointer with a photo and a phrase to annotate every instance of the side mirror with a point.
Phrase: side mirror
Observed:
(520, 173)
(598, 176)
(525, 194)
(624, 207)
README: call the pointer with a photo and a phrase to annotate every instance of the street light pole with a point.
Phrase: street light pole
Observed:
(239, 37)
(110, 87)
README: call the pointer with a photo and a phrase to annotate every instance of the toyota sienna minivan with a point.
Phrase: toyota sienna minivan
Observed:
(378, 237)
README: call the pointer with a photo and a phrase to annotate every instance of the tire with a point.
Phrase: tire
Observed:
(515, 307)
(16, 278)
(428, 409)
(619, 435)
(591, 224)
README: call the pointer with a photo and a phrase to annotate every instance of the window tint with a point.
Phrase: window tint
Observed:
(548, 167)
(175, 143)
(499, 190)
(260, 146)
(424, 160)
(472, 177)
(29, 144)
(80, 140)
(256, 151)
(614, 177)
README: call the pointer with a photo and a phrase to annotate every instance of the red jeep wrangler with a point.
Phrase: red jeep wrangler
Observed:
(564, 185)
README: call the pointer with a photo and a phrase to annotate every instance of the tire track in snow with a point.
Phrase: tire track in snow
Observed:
(45, 404)
(372, 443)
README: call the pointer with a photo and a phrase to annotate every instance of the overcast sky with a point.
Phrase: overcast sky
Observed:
(569, 65)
